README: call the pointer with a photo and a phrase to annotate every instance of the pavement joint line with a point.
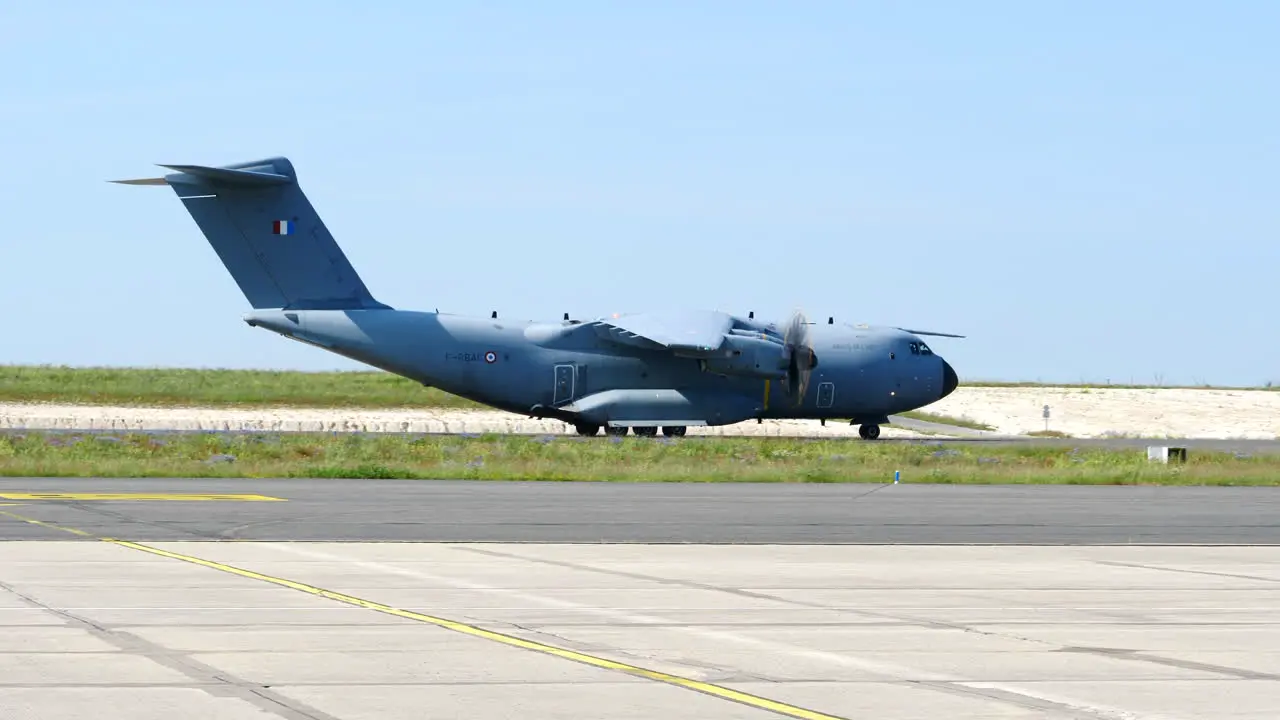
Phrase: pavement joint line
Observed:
(170, 497)
(705, 688)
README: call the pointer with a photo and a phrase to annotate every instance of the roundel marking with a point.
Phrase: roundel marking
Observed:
(491, 357)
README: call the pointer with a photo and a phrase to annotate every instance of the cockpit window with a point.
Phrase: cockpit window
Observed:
(924, 349)
(919, 348)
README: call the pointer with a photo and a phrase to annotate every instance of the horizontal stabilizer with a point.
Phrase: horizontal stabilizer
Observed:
(227, 176)
(142, 181)
(232, 176)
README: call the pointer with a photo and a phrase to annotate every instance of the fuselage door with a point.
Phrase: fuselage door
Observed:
(564, 384)
(826, 394)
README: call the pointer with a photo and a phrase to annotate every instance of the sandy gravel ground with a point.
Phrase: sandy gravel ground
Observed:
(1176, 413)
(75, 417)
(1011, 411)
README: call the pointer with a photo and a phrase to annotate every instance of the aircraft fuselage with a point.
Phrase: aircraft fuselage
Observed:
(863, 374)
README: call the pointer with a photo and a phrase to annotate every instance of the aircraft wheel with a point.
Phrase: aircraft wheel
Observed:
(870, 431)
(674, 431)
(646, 431)
(587, 430)
(616, 430)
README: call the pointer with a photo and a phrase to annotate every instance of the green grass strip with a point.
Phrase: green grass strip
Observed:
(508, 457)
(165, 387)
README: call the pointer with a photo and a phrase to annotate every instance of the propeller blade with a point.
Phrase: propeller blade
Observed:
(800, 356)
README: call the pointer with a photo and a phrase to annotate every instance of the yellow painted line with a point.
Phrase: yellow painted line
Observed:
(174, 497)
(707, 688)
(723, 693)
(43, 524)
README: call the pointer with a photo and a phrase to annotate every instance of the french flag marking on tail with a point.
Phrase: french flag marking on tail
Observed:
(282, 227)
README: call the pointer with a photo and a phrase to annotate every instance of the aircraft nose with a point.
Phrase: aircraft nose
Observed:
(950, 381)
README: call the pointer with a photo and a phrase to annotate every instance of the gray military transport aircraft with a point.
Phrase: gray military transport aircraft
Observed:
(637, 372)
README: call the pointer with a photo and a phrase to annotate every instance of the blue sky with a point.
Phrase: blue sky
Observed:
(1087, 190)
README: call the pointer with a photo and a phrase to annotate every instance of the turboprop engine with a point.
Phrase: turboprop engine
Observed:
(748, 356)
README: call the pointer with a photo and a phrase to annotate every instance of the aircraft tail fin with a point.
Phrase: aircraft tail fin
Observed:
(267, 234)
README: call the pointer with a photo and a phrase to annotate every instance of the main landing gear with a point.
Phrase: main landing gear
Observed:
(869, 431)
(621, 430)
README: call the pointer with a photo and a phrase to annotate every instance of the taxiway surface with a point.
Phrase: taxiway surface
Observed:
(146, 613)
(401, 631)
(493, 511)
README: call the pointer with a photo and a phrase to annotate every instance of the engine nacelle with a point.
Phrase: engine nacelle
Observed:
(746, 356)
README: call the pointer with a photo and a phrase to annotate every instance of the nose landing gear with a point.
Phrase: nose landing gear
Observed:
(869, 431)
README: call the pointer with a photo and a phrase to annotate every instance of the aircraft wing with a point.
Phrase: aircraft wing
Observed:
(685, 332)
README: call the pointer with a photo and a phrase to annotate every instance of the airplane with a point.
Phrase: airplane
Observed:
(625, 372)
